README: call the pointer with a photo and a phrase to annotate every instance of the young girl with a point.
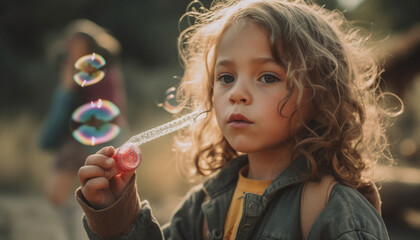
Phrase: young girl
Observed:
(291, 96)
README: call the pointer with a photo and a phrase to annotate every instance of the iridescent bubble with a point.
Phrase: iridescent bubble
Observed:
(89, 67)
(101, 109)
(95, 119)
(170, 103)
(90, 135)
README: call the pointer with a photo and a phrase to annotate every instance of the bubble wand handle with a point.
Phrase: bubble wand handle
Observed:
(163, 129)
(128, 157)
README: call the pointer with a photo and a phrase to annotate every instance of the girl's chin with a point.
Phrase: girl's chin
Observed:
(243, 149)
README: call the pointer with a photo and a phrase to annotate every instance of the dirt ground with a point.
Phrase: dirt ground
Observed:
(32, 217)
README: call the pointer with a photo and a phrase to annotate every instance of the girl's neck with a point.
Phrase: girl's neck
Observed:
(268, 164)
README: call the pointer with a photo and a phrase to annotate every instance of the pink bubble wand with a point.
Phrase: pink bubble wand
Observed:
(128, 157)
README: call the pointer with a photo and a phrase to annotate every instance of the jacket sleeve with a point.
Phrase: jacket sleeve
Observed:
(130, 219)
(127, 218)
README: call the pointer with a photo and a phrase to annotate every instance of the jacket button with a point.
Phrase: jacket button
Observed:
(217, 234)
(252, 206)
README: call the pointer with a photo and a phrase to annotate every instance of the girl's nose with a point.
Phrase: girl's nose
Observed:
(240, 93)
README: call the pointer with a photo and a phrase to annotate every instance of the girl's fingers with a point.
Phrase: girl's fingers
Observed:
(100, 160)
(99, 164)
(93, 171)
(107, 151)
(96, 191)
(93, 185)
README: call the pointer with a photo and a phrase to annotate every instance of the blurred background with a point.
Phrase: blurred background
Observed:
(30, 36)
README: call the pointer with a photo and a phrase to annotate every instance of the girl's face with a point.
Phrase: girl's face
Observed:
(249, 89)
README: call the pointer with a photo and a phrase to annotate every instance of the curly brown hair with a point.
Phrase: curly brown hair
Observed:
(323, 53)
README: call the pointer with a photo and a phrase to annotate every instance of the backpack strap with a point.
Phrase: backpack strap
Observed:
(313, 200)
(204, 220)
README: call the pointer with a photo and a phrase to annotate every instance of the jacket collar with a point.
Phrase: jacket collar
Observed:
(228, 176)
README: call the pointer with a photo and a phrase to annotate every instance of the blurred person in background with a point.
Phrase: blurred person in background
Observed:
(80, 38)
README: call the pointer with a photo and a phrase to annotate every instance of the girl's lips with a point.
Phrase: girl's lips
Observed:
(238, 120)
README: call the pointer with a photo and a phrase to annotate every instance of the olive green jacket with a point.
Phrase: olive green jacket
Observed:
(273, 215)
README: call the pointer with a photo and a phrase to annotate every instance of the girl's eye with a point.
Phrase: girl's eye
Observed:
(268, 78)
(226, 79)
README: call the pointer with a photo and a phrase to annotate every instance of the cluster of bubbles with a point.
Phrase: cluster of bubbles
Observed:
(94, 119)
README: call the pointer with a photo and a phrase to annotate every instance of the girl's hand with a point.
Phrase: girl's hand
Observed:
(101, 185)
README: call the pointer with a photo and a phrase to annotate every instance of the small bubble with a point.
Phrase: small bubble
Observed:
(170, 103)
(89, 67)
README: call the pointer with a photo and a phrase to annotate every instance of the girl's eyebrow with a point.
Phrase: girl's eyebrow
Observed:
(256, 60)
(265, 60)
(223, 62)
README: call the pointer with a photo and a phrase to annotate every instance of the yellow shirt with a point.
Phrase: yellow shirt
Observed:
(235, 209)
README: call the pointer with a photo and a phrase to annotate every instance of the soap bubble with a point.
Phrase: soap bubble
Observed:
(170, 103)
(89, 67)
(94, 119)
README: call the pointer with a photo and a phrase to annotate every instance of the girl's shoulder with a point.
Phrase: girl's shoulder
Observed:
(352, 199)
(348, 212)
